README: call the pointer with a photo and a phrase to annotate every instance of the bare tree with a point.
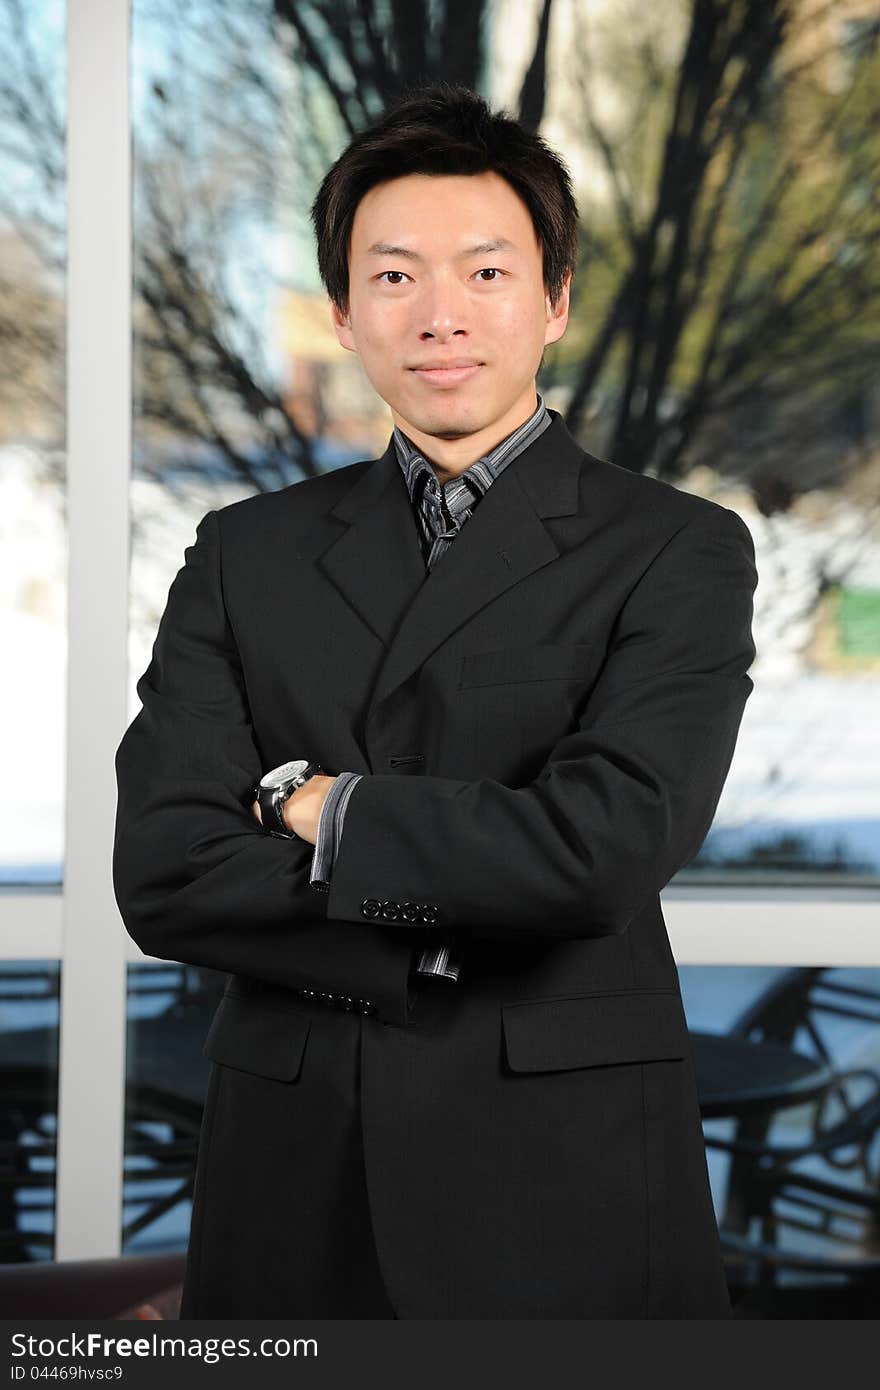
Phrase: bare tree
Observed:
(728, 283)
(751, 280)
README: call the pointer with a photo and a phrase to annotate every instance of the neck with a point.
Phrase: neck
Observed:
(450, 456)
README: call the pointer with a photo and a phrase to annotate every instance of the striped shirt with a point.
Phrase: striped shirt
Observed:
(440, 513)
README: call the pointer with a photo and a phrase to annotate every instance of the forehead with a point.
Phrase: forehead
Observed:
(383, 249)
(436, 215)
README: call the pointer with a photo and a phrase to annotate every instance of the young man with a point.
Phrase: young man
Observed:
(492, 686)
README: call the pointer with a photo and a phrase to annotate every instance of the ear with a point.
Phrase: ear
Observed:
(342, 326)
(557, 317)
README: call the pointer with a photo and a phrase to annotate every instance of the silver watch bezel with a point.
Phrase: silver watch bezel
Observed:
(284, 773)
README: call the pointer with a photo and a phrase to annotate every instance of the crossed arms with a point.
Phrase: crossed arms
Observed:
(621, 803)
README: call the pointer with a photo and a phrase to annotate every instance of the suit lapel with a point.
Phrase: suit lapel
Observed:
(377, 563)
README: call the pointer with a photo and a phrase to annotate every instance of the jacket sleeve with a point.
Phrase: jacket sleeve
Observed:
(434, 960)
(195, 876)
(623, 801)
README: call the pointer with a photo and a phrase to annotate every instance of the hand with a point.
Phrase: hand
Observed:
(302, 810)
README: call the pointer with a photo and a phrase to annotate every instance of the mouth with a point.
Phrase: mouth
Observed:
(446, 376)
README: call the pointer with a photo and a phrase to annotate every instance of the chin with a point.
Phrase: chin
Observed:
(445, 426)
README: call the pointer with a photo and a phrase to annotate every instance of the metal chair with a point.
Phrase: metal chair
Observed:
(812, 1205)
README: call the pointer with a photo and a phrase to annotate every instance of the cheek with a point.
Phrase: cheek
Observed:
(380, 340)
(521, 323)
(372, 327)
(367, 332)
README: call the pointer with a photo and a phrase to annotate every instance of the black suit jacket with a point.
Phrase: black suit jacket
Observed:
(572, 676)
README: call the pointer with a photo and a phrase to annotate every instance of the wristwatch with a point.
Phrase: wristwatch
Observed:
(275, 787)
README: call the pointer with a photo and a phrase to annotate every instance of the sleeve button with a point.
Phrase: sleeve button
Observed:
(370, 907)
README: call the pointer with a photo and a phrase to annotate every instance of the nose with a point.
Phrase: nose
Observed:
(443, 311)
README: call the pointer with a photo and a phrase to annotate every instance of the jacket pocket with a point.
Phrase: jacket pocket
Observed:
(594, 1030)
(257, 1038)
(547, 661)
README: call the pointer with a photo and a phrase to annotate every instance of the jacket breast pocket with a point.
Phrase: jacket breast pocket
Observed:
(546, 661)
(253, 1036)
(594, 1030)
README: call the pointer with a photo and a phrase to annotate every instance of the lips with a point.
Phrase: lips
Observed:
(447, 376)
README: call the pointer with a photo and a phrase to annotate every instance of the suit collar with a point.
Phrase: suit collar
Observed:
(378, 567)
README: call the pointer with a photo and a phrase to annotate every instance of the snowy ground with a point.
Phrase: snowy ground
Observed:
(808, 753)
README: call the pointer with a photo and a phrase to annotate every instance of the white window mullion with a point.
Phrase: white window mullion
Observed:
(773, 926)
(93, 997)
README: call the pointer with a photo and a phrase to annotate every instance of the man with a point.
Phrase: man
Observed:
(451, 1074)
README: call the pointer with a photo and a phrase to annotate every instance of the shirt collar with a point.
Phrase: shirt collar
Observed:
(484, 470)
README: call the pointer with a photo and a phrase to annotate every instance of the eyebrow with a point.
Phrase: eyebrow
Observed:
(385, 248)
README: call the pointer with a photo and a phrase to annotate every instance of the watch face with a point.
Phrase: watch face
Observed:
(284, 772)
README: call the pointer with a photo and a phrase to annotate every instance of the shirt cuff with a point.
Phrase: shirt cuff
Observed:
(330, 824)
(439, 960)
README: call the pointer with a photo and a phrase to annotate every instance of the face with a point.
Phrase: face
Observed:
(447, 270)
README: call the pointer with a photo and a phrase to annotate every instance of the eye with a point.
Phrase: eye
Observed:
(485, 270)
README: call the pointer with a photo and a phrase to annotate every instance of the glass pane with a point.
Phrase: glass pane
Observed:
(33, 534)
(719, 337)
(788, 1079)
(169, 1010)
(722, 340)
(29, 998)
